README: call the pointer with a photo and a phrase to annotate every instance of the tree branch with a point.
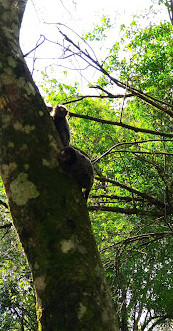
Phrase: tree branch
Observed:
(6, 226)
(130, 240)
(116, 197)
(95, 64)
(151, 200)
(3, 204)
(39, 43)
(123, 125)
(142, 152)
(126, 143)
(130, 211)
(118, 96)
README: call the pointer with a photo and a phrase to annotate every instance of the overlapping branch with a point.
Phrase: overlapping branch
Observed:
(93, 62)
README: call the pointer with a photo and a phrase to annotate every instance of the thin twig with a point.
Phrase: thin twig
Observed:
(37, 45)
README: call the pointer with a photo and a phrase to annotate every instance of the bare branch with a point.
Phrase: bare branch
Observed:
(82, 97)
(152, 200)
(111, 95)
(142, 152)
(38, 44)
(169, 4)
(3, 204)
(116, 197)
(123, 125)
(130, 211)
(93, 62)
(147, 95)
(127, 143)
(6, 226)
(82, 39)
(118, 96)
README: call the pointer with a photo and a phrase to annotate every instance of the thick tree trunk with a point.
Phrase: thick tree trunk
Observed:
(47, 207)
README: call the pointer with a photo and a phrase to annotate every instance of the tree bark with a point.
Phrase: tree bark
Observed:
(47, 207)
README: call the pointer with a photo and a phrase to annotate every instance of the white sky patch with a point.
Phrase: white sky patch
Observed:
(81, 16)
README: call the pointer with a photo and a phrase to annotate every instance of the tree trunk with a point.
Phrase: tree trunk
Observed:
(47, 207)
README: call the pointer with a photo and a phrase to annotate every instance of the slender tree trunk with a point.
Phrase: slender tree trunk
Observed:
(47, 207)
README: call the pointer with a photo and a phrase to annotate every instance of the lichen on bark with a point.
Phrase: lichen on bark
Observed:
(22, 189)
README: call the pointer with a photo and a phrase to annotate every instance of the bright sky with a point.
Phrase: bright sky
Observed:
(79, 15)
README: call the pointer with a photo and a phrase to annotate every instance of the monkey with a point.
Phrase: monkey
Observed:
(61, 122)
(79, 166)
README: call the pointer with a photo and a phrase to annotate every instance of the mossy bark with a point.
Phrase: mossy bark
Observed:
(47, 207)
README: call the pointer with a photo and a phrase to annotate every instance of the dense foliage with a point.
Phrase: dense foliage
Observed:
(17, 303)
